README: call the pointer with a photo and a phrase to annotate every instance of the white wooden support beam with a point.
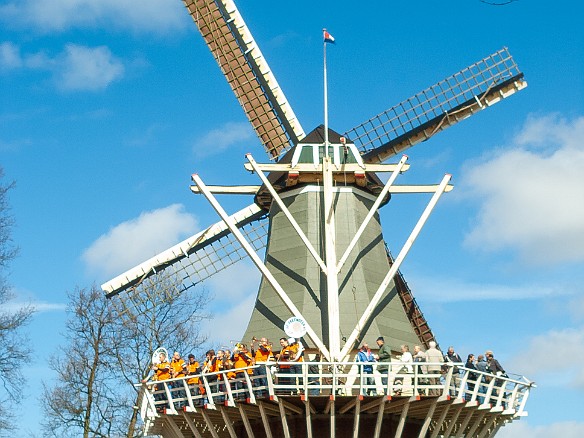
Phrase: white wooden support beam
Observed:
(171, 409)
(287, 213)
(271, 389)
(402, 418)
(464, 424)
(428, 419)
(332, 282)
(371, 213)
(333, 419)
(174, 429)
(251, 395)
(192, 425)
(440, 421)
(209, 423)
(265, 420)
(357, 416)
(496, 429)
(308, 414)
(210, 401)
(462, 388)
(523, 402)
(453, 421)
(283, 418)
(227, 421)
(230, 399)
(379, 419)
(260, 265)
(368, 314)
(487, 425)
(229, 190)
(246, 422)
(476, 424)
(311, 168)
(348, 406)
(187, 390)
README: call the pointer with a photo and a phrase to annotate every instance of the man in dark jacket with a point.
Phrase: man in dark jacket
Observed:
(383, 356)
(452, 356)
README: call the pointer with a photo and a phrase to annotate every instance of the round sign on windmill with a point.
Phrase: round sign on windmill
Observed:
(156, 355)
(295, 327)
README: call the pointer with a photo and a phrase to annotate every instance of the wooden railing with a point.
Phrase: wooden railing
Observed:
(335, 379)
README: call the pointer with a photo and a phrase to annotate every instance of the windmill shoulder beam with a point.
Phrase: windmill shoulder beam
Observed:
(231, 190)
(252, 190)
(307, 167)
(178, 251)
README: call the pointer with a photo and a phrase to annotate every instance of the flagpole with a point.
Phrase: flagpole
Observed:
(325, 101)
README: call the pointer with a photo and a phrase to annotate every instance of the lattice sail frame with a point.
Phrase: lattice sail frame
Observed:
(188, 263)
(248, 73)
(434, 109)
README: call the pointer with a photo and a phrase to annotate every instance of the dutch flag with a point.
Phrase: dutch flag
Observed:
(328, 38)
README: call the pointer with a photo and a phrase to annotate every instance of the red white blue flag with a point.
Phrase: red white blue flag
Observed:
(328, 38)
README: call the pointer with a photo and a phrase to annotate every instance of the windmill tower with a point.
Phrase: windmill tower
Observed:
(316, 215)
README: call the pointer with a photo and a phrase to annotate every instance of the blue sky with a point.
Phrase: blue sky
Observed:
(107, 107)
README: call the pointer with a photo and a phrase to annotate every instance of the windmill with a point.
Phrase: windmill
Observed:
(316, 210)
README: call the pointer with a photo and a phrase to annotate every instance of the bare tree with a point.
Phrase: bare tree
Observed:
(109, 350)
(13, 342)
(84, 401)
(163, 316)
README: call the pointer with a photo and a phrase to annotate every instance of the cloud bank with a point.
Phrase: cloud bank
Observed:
(131, 242)
(522, 429)
(218, 140)
(533, 194)
(161, 16)
(76, 68)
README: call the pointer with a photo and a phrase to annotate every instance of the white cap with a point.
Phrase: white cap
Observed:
(291, 340)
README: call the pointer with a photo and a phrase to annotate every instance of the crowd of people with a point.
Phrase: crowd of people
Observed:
(224, 365)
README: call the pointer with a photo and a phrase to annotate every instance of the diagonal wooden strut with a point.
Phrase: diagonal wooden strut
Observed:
(258, 262)
(367, 315)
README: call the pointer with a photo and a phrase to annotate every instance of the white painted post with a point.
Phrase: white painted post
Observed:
(257, 261)
(394, 267)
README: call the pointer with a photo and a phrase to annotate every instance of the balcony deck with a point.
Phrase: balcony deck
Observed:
(340, 400)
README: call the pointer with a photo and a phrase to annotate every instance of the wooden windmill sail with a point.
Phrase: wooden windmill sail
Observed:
(366, 305)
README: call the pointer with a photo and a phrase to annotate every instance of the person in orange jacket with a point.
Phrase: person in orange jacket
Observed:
(193, 369)
(262, 356)
(241, 359)
(161, 372)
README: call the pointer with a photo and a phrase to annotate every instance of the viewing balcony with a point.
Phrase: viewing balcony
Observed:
(335, 399)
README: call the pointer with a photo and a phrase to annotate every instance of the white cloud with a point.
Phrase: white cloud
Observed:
(444, 290)
(522, 429)
(158, 16)
(21, 298)
(9, 56)
(554, 358)
(136, 240)
(76, 68)
(217, 140)
(533, 194)
(87, 68)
